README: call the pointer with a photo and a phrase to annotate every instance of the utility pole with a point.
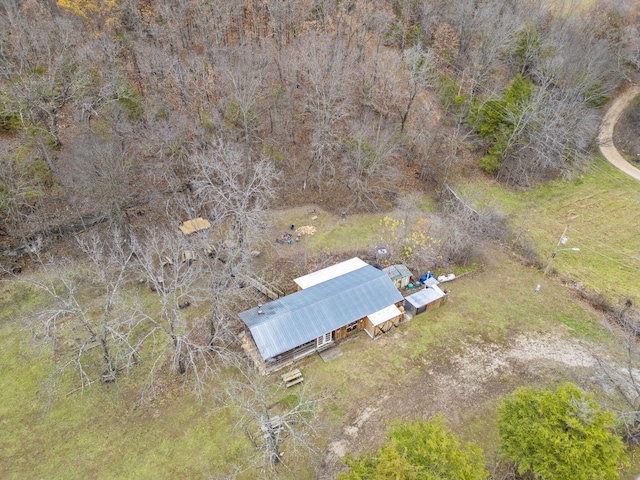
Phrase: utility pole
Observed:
(562, 241)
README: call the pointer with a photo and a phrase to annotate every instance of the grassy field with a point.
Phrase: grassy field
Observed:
(102, 433)
(601, 209)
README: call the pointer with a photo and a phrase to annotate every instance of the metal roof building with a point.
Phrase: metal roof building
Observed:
(296, 319)
(425, 296)
(431, 281)
(424, 300)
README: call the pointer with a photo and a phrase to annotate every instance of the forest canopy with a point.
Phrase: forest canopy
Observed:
(334, 95)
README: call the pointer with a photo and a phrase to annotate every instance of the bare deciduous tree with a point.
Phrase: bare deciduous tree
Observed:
(273, 418)
(41, 72)
(622, 375)
(100, 324)
(419, 75)
(17, 195)
(90, 308)
(99, 172)
(462, 227)
(233, 189)
(245, 79)
(366, 160)
(186, 280)
(326, 70)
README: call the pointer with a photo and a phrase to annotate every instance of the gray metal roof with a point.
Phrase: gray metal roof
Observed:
(425, 296)
(397, 271)
(431, 281)
(298, 318)
(403, 270)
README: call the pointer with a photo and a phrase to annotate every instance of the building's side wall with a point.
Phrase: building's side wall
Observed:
(368, 327)
(349, 329)
(412, 311)
(409, 310)
(290, 356)
(437, 303)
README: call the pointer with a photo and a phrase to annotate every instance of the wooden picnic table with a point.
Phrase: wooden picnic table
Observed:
(292, 378)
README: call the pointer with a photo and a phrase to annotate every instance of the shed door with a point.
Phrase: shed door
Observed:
(324, 340)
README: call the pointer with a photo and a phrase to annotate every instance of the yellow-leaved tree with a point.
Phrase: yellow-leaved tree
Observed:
(408, 243)
(98, 14)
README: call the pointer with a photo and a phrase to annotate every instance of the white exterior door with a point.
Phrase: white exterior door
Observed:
(324, 340)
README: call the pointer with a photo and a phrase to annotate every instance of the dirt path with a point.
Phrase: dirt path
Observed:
(605, 138)
(479, 372)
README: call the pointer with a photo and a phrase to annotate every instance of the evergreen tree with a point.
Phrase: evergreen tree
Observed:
(419, 450)
(559, 434)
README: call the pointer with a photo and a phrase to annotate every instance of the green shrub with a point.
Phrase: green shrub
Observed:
(9, 116)
(393, 36)
(206, 121)
(559, 434)
(129, 99)
(419, 450)
(450, 94)
(527, 47)
(596, 96)
(42, 173)
(269, 151)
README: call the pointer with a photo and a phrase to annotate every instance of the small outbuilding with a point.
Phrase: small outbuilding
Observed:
(423, 301)
(399, 274)
(380, 322)
(431, 281)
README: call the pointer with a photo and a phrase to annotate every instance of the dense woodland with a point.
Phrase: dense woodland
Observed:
(111, 105)
(135, 115)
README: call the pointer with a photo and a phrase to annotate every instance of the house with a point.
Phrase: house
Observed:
(424, 300)
(399, 274)
(331, 304)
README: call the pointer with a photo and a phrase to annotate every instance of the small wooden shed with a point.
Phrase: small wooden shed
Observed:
(399, 274)
(423, 301)
(382, 321)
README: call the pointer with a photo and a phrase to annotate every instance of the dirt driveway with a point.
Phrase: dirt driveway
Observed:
(605, 138)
